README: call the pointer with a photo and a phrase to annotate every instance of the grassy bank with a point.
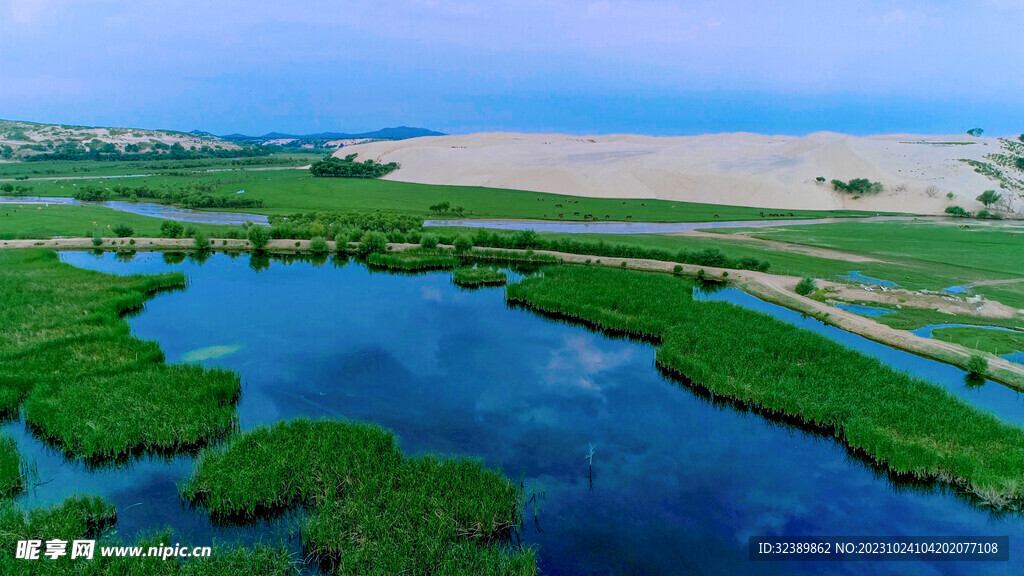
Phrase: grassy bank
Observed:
(372, 511)
(86, 384)
(914, 429)
(478, 277)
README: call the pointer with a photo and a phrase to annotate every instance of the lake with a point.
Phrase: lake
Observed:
(679, 483)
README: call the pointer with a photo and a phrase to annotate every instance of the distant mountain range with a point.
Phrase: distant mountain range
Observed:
(397, 133)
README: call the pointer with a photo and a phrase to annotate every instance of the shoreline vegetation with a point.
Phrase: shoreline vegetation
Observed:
(774, 288)
(908, 426)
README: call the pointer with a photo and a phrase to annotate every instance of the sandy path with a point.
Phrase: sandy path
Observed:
(781, 246)
(770, 287)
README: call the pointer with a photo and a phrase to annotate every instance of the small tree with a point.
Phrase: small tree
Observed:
(7, 188)
(171, 229)
(201, 241)
(373, 241)
(957, 211)
(258, 236)
(440, 208)
(989, 197)
(463, 243)
(318, 245)
(97, 239)
(976, 132)
(429, 241)
(123, 231)
(805, 286)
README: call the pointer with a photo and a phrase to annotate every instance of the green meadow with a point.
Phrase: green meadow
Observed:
(911, 428)
(289, 191)
(53, 220)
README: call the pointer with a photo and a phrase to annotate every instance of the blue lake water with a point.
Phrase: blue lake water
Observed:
(679, 483)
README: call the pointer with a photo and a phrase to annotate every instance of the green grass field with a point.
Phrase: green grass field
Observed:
(48, 221)
(925, 254)
(994, 341)
(62, 168)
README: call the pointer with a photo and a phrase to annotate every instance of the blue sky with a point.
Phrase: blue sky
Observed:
(579, 66)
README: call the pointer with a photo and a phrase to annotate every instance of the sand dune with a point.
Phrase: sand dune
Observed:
(737, 169)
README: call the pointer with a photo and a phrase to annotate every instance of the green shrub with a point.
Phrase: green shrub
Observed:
(805, 286)
(319, 246)
(857, 186)
(200, 240)
(977, 365)
(172, 229)
(123, 231)
(258, 236)
(957, 211)
(429, 241)
(463, 243)
(373, 241)
(989, 197)
(97, 239)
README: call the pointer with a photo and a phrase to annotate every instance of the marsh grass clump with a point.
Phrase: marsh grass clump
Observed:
(12, 480)
(478, 277)
(87, 385)
(414, 260)
(910, 427)
(372, 511)
(977, 366)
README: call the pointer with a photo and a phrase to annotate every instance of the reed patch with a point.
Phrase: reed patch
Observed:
(478, 277)
(89, 387)
(372, 511)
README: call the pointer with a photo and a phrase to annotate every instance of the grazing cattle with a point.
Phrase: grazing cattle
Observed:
(559, 215)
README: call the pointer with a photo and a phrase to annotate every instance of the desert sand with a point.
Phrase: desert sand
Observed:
(736, 169)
